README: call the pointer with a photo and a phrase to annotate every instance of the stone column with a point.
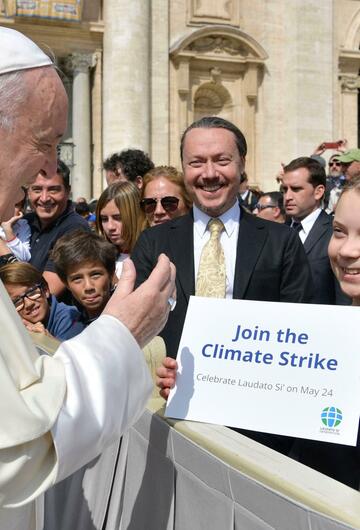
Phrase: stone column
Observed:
(96, 96)
(350, 85)
(160, 82)
(126, 80)
(181, 106)
(79, 64)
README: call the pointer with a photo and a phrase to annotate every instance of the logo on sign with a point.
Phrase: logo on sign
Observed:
(331, 417)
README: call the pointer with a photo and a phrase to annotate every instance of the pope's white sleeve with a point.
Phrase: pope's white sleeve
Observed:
(108, 384)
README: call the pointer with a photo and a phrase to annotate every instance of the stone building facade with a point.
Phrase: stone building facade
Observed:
(137, 73)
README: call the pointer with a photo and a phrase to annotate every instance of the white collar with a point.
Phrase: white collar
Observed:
(230, 219)
(308, 222)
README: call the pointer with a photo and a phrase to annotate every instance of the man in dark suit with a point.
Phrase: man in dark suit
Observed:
(264, 261)
(303, 186)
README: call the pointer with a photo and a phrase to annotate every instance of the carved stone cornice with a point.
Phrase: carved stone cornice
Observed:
(349, 83)
(80, 62)
(219, 45)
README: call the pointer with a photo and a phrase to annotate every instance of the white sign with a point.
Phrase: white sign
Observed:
(290, 369)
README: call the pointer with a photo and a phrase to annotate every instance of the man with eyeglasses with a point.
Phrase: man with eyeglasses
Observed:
(335, 180)
(59, 412)
(350, 168)
(270, 206)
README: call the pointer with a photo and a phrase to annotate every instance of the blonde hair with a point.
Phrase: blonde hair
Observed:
(171, 174)
(127, 199)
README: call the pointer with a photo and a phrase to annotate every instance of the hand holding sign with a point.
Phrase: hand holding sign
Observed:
(272, 370)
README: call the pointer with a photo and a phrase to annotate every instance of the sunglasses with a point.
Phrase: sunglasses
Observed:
(261, 207)
(34, 293)
(169, 204)
(335, 163)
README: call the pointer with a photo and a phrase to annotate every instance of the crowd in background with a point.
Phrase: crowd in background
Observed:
(60, 258)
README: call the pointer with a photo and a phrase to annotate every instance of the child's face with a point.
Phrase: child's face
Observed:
(112, 225)
(30, 302)
(90, 285)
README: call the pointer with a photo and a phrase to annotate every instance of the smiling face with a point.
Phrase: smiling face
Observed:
(48, 197)
(112, 225)
(30, 146)
(157, 189)
(90, 285)
(300, 196)
(344, 246)
(34, 310)
(212, 168)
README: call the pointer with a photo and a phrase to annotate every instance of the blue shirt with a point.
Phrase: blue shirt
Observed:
(64, 320)
(43, 240)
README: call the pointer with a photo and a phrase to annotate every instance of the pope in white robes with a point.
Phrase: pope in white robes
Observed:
(58, 413)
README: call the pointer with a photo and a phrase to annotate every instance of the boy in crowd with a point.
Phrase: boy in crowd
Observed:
(85, 262)
(38, 309)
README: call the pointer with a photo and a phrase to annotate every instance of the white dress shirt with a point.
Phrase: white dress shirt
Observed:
(228, 239)
(307, 223)
(119, 264)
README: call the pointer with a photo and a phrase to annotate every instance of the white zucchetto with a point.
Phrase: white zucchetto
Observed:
(18, 52)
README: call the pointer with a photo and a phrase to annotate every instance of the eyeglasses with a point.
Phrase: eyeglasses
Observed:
(261, 207)
(169, 204)
(335, 163)
(34, 293)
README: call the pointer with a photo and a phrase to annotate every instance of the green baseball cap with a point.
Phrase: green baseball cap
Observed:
(353, 155)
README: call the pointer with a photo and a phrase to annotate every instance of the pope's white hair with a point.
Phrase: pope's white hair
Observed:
(13, 92)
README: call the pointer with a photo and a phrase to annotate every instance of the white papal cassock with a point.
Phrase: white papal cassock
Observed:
(57, 413)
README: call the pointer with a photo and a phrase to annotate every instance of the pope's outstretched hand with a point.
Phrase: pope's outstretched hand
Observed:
(144, 311)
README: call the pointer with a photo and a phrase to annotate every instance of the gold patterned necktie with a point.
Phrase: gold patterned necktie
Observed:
(211, 278)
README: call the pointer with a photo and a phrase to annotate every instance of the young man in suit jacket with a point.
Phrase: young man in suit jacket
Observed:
(303, 186)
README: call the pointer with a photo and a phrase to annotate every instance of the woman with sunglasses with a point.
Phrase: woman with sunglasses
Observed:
(164, 196)
(38, 309)
(119, 218)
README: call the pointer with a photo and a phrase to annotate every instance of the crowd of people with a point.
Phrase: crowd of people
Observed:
(75, 259)
(78, 259)
(61, 261)
(56, 235)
